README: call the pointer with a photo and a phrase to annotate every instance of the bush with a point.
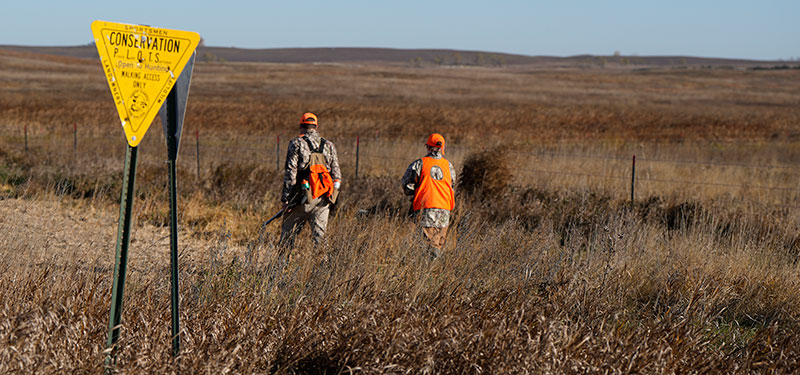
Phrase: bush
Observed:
(485, 174)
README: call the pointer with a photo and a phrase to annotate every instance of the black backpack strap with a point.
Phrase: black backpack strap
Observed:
(308, 141)
(302, 173)
(311, 145)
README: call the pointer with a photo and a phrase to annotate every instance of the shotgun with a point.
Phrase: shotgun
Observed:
(283, 210)
(277, 215)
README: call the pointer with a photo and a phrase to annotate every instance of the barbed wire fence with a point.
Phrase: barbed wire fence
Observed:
(199, 153)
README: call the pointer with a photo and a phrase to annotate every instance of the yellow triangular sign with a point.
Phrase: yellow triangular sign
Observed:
(141, 64)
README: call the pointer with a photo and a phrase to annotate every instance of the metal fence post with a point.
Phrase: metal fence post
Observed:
(75, 139)
(633, 177)
(197, 149)
(357, 157)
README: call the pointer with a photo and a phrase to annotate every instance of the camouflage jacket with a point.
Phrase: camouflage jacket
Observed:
(297, 157)
(428, 217)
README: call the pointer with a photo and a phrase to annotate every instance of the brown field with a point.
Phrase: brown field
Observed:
(550, 268)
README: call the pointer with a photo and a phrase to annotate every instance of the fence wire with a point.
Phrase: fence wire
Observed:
(651, 160)
(271, 151)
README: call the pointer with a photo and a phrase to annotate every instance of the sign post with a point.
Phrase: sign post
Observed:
(141, 64)
(172, 114)
(121, 258)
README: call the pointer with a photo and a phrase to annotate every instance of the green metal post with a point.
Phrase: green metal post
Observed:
(173, 249)
(172, 156)
(123, 243)
(172, 115)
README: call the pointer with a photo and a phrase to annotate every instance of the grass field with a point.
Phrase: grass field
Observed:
(550, 267)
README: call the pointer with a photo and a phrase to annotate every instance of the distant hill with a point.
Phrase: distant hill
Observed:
(420, 57)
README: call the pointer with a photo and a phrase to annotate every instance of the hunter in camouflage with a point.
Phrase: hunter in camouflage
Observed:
(297, 159)
(298, 210)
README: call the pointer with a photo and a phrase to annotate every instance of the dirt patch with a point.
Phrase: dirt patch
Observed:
(39, 231)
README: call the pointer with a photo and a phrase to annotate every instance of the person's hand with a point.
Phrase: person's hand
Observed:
(285, 207)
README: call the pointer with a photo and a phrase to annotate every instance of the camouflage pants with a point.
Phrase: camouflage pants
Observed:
(435, 239)
(316, 212)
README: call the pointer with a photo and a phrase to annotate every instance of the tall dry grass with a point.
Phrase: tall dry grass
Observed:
(581, 284)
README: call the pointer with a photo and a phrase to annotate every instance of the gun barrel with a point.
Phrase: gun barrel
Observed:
(277, 215)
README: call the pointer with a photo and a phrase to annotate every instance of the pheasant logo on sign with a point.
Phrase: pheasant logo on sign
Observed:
(138, 102)
(141, 64)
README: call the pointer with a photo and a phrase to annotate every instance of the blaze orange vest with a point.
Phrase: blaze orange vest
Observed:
(319, 178)
(431, 193)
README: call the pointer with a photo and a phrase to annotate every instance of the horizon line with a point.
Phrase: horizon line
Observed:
(91, 44)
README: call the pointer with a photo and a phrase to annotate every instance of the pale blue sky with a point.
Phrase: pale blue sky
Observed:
(766, 29)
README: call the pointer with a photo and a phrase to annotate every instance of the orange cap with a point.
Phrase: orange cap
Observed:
(436, 140)
(308, 119)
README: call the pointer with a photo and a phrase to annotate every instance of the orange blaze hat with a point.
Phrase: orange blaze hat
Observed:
(436, 140)
(308, 119)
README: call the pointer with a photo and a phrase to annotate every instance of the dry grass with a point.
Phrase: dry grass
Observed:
(601, 287)
(559, 273)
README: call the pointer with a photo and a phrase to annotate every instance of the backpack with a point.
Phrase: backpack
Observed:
(317, 174)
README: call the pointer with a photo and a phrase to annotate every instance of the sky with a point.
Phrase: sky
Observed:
(762, 30)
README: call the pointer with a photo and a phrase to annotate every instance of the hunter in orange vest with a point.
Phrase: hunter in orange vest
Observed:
(430, 180)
